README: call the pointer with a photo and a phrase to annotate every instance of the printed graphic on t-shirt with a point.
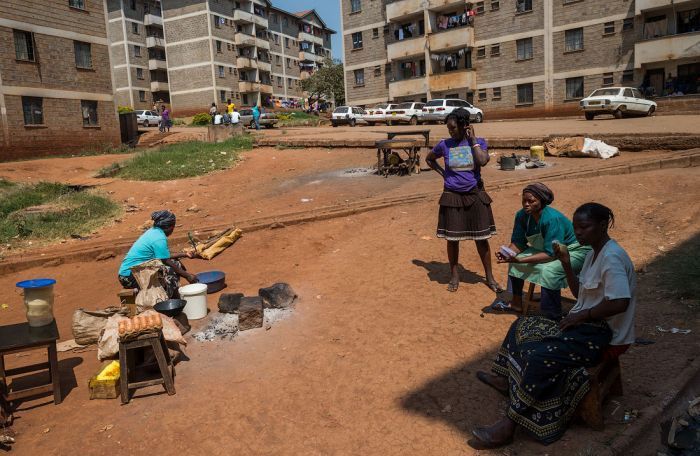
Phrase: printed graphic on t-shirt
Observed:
(461, 158)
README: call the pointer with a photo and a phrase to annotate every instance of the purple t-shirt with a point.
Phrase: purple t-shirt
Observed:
(462, 172)
(166, 114)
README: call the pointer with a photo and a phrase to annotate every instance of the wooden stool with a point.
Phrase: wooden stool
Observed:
(127, 298)
(127, 367)
(605, 379)
(22, 337)
(530, 298)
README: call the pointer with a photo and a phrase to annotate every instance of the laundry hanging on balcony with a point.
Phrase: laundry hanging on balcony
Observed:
(450, 55)
(448, 21)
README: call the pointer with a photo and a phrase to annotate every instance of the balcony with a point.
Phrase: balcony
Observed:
(159, 86)
(264, 66)
(666, 48)
(407, 87)
(152, 19)
(243, 39)
(453, 38)
(157, 64)
(453, 80)
(262, 43)
(307, 56)
(249, 86)
(407, 48)
(645, 5)
(245, 62)
(240, 16)
(303, 36)
(155, 42)
(403, 9)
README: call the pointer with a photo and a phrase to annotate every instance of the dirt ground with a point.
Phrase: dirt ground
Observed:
(266, 182)
(378, 358)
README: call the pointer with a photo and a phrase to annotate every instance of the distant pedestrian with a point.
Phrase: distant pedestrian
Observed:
(212, 111)
(155, 109)
(230, 106)
(165, 119)
(218, 119)
(235, 117)
(256, 117)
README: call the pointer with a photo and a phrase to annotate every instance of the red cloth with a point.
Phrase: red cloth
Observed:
(614, 351)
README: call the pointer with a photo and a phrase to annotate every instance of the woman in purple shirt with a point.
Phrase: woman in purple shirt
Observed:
(465, 207)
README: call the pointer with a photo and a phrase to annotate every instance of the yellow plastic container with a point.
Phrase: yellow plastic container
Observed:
(537, 152)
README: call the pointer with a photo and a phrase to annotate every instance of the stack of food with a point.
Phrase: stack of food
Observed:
(140, 324)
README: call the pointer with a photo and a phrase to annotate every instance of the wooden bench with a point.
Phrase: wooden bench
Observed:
(605, 379)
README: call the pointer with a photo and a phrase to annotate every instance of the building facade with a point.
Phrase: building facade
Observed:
(135, 32)
(56, 89)
(517, 57)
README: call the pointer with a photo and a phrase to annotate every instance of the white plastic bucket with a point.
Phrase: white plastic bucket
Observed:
(196, 296)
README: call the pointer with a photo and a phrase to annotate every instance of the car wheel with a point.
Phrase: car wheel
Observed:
(589, 115)
(413, 121)
(479, 118)
(617, 113)
(145, 123)
(651, 110)
(353, 122)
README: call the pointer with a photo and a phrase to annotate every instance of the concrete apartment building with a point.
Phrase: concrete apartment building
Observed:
(516, 57)
(56, 90)
(135, 32)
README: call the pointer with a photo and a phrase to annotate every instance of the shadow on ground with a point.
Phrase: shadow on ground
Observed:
(440, 272)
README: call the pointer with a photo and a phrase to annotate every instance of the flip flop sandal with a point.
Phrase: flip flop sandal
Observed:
(485, 378)
(452, 287)
(496, 288)
(499, 305)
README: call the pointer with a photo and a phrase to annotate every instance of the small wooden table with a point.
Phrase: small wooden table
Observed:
(424, 133)
(22, 337)
(389, 161)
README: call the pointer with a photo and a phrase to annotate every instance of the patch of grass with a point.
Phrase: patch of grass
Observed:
(297, 119)
(188, 159)
(65, 211)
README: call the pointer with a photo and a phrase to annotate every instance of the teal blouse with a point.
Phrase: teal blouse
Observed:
(553, 226)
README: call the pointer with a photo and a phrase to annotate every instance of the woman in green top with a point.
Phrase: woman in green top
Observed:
(536, 229)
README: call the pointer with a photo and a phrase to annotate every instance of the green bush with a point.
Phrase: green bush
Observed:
(201, 119)
(125, 109)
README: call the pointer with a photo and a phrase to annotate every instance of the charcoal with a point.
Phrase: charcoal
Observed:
(230, 302)
(278, 296)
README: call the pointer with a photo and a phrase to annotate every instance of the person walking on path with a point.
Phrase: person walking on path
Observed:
(165, 119)
(256, 117)
(465, 207)
(212, 112)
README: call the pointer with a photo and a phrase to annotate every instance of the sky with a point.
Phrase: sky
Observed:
(329, 10)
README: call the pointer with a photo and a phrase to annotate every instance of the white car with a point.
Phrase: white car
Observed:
(377, 113)
(437, 110)
(147, 118)
(618, 101)
(347, 115)
(410, 113)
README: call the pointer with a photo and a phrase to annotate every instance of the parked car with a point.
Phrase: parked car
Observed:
(147, 118)
(618, 101)
(267, 119)
(410, 113)
(349, 115)
(438, 109)
(377, 113)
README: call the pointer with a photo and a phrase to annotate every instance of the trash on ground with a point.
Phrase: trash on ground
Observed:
(673, 330)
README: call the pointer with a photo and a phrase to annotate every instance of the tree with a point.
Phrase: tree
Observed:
(327, 82)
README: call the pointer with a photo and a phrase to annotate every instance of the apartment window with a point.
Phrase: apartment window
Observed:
(573, 40)
(375, 33)
(359, 77)
(278, 60)
(139, 73)
(218, 47)
(608, 28)
(135, 28)
(24, 45)
(289, 62)
(495, 5)
(221, 71)
(357, 40)
(244, 99)
(523, 6)
(133, 4)
(137, 51)
(286, 42)
(89, 111)
(277, 39)
(377, 71)
(627, 24)
(524, 93)
(524, 47)
(290, 82)
(688, 21)
(496, 93)
(279, 81)
(482, 94)
(355, 6)
(479, 7)
(495, 50)
(574, 88)
(142, 95)
(33, 109)
(83, 56)
(275, 19)
(218, 21)
(79, 4)
(222, 96)
(628, 76)
(608, 79)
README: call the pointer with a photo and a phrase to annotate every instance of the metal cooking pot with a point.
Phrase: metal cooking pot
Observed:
(215, 280)
(508, 163)
(170, 307)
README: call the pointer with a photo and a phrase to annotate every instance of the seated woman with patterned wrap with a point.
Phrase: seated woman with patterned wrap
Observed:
(541, 365)
(536, 228)
(153, 245)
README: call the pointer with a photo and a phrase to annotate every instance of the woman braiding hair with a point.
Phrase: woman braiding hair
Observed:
(465, 207)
